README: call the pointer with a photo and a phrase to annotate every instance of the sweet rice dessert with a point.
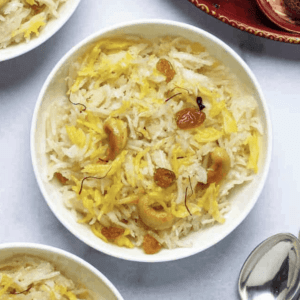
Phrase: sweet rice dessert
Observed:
(150, 139)
(22, 19)
(29, 278)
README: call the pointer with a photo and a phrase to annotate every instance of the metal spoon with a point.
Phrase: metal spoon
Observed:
(272, 270)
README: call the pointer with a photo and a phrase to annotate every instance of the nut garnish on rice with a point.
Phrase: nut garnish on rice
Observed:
(167, 132)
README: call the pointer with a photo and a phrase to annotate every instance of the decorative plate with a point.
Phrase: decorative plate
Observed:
(276, 11)
(247, 15)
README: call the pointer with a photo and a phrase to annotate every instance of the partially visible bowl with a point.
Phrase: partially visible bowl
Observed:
(70, 266)
(243, 198)
(52, 26)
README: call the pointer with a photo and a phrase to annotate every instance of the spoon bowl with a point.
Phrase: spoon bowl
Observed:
(272, 270)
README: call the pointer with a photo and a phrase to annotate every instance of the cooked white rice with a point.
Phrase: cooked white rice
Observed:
(118, 79)
(21, 19)
(30, 278)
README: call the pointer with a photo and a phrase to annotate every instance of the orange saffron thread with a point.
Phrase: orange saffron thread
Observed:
(172, 97)
(78, 104)
(185, 202)
(89, 177)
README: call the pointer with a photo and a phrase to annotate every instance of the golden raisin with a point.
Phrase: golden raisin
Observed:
(112, 232)
(165, 67)
(164, 177)
(150, 244)
(37, 9)
(202, 185)
(189, 118)
(61, 178)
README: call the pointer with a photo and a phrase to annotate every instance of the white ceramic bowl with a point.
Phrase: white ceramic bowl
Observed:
(243, 198)
(71, 266)
(65, 12)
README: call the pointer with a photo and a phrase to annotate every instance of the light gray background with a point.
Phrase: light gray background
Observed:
(213, 274)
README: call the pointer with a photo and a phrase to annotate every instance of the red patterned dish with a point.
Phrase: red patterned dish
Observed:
(246, 15)
(276, 11)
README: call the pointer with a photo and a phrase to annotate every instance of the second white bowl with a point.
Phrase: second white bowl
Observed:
(71, 266)
(52, 26)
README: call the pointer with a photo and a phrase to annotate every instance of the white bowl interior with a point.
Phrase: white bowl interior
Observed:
(65, 12)
(243, 198)
(69, 265)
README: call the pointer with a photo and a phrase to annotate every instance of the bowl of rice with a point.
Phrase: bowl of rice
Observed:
(26, 24)
(151, 140)
(34, 271)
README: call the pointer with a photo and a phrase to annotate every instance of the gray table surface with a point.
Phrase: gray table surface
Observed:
(212, 274)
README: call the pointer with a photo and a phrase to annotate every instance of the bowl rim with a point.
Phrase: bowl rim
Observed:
(228, 49)
(46, 248)
(24, 47)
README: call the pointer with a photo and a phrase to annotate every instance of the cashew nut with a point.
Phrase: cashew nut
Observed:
(117, 135)
(220, 165)
(156, 219)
